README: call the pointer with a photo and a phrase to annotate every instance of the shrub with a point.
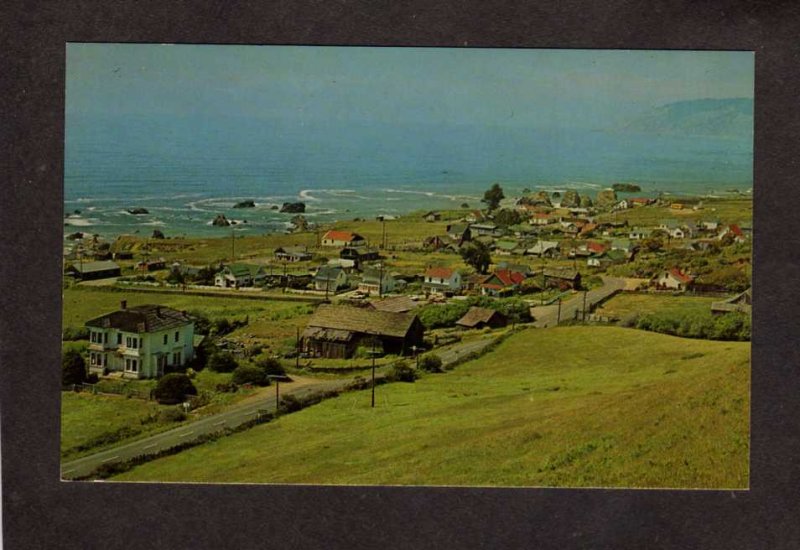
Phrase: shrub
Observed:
(271, 366)
(73, 367)
(172, 415)
(172, 388)
(73, 333)
(222, 361)
(431, 363)
(248, 374)
(401, 372)
(92, 378)
(290, 403)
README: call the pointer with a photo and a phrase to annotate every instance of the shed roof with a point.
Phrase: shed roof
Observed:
(477, 315)
(364, 320)
(94, 267)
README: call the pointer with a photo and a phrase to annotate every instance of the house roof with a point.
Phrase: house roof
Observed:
(243, 270)
(364, 320)
(293, 250)
(680, 275)
(588, 228)
(457, 228)
(335, 235)
(595, 248)
(145, 318)
(372, 275)
(506, 245)
(439, 272)
(543, 246)
(541, 215)
(561, 273)
(736, 230)
(94, 267)
(640, 200)
(477, 315)
(328, 273)
(396, 304)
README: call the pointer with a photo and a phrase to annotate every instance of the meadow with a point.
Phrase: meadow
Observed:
(568, 407)
(626, 304)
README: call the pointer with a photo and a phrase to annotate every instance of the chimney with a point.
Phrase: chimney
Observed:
(123, 304)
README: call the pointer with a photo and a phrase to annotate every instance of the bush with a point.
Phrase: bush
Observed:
(271, 366)
(222, 361)
(172, 415)
(401, 372)
(73, 367)
(290, 403)
(172, 388)
(248, 374)
(431, 363)
(730, 326)
(71, 334)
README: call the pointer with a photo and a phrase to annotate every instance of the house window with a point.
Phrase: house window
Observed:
(166, 337)
(177, 335)
(176, 358)
(91, 358)
(131, 365)
(141, 342)
(105, 360)
(93, 336)
(105, 338)
(128, 342)
(119, 338)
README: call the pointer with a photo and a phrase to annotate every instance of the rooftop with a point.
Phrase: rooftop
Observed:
(145, 318)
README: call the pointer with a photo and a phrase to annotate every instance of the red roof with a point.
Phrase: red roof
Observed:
(541, 215)
(506, 277)
(589, 227)
(439, 272)
(680, 275)
(736, 230)
(597, 248)
(341, 236)
(640, 200)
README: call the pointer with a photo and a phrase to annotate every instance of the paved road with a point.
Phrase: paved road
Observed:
(231, 418)
(547, 316)
(236, 415)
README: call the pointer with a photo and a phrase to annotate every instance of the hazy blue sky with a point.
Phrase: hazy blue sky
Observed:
(537, 88)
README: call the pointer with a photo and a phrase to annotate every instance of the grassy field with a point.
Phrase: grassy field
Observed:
(623, 304)
(571, 406)
(86, 417)
(725, 210)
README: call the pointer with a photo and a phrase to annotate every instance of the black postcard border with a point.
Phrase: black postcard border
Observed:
(39, 511)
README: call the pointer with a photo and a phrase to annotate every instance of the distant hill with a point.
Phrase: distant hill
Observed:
(709, 117)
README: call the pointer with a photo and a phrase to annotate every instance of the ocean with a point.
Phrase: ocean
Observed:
(185, 171)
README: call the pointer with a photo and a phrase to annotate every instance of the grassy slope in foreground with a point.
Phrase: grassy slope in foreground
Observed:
(571, 406)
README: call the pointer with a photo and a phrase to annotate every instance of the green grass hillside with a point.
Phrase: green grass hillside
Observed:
(570, 406)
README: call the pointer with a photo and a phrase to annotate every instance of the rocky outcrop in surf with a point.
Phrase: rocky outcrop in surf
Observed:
(138, 211)
(221, 221)
(245, 204)
(293, 207)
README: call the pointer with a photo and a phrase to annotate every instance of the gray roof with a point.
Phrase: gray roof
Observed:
(93, 267)
(328, 273)
(364, 320)
(145, 318)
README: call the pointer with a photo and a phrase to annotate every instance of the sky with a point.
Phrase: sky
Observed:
(410, 86)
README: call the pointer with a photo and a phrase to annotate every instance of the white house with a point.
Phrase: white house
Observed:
(239, 275)
(330, 278)
(141, 341)
(442, 279)
(674, 279)
(376, 281)
(342, 238)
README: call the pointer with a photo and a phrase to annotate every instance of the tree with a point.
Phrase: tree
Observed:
(507, 217)
(222, 361)
(73, 367)
(271, 366)
(173, 388)
(493, 196)
(653, 244)
(247, 374)
(476, 254)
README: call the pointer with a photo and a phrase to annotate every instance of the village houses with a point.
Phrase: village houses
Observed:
(442, 279)
(342, 238)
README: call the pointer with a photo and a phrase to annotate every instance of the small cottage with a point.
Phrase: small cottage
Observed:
(480, 317)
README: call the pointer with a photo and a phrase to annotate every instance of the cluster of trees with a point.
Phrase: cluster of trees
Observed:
(729, 326)
(476, 255)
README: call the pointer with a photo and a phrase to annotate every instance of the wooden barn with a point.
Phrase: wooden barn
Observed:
(480, 317)
(336, 331)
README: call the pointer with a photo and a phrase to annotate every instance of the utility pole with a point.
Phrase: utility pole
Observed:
(558, 318)
(383, 237)
(373, 371)
(297, 349)
(233, 246)
(380, 283)
(277, 395)
(583, 318)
